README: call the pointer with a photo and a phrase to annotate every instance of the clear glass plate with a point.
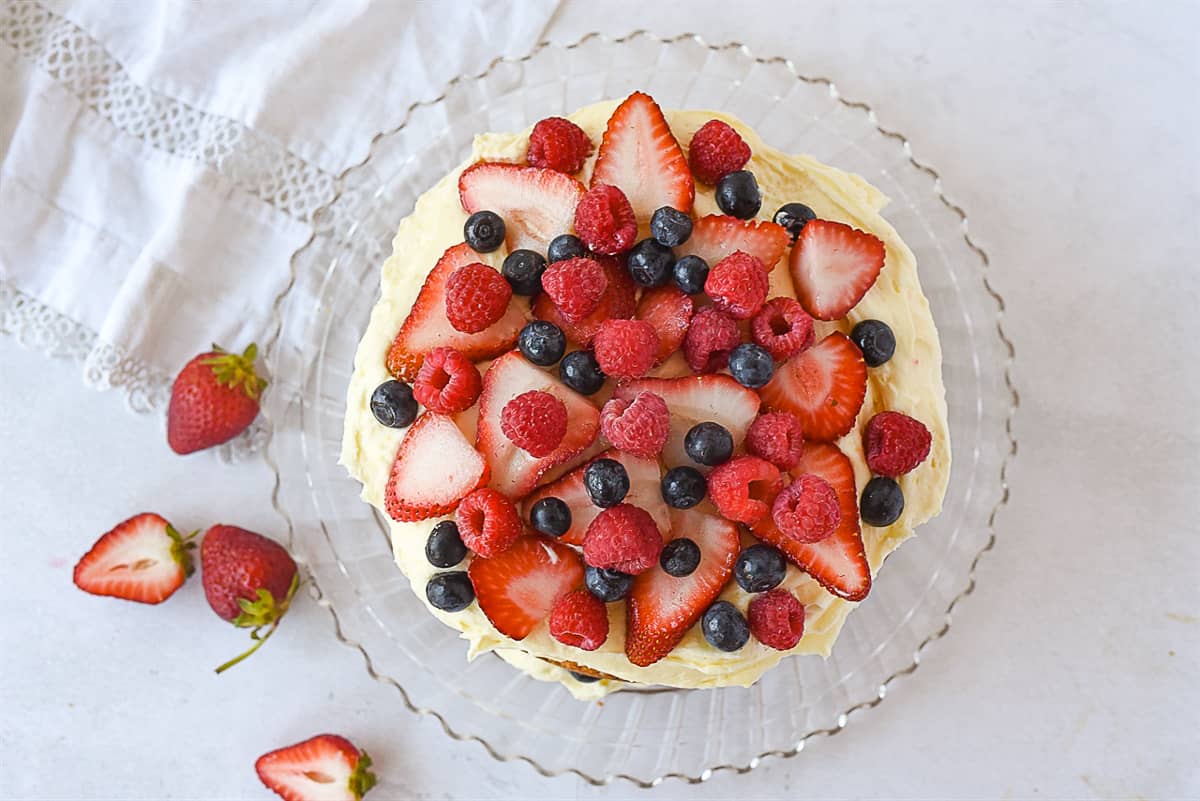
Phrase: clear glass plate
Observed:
(642, 737)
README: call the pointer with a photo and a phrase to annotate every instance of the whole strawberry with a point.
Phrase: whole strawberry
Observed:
(248, 579)
(214, 398)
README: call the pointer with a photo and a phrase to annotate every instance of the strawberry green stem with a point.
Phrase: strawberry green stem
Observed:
(261, 613)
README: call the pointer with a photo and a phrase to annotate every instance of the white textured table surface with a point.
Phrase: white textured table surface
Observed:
(1070, 133)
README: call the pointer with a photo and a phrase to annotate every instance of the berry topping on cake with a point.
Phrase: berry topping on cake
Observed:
(710, 338)
(624, 538)
(447, 382)
(738, 195)
(607, 585)
(751, 365)
(327, 766)
(876, 340)
(716, 150)
(536, 204)
(418, 489)
(669, 310)
(558, 144)
(214, 398)
(759, 568)
(542, 343)
(449, 592)
(575, 286)
(783, 327)
(808, 509)
(680, 557)
(484, 231)
(738, 285)
(535, 422)
(606, 482)
(143, 559)
(724, 627)
(605, 221)
(742, 488)
(518, 589)
(670, 227)
(823, 386)
(523, 270)
(882, 501)
(793, 217)
(650, 263)
(393, 404)
(690, 273)
(625, 348)
(581, 372)
(551, 516)
(639, 154)
(717, 235)
(776, 619)
(618, 302)
(565, 246)
(487, 522)
(684, 487)
(444, 547)
(639, 426)
(833, 266)
(579, 619)
(895, 443)
(777, 437)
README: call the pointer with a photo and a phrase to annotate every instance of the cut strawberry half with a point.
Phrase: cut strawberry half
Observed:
(717, 235)
(618, 302)
(423, 486)
(427, 327)
(517, 589)
(838, 562)
(515, 472)
(833, 266)
(669, 310)
(143, 559)
(640, 156)
(326, 767)
(660, 607)
(536, 204)
(823, 386)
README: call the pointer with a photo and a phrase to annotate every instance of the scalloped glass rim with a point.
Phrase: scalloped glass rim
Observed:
(639, 737)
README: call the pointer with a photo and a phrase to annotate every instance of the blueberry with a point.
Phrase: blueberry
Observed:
(690, 273)
(523, 269)
(738, 195)
(606, 482)
(484, 231)
(882, 501)
(670, 227)
(793, 217)
(650, 263)
(583, 678)
(551, 516)
(876, 341)
(607, 585)
(445, 548)
(581, 372)
(680, 557)
(751, 365)
(393, 404)
(542, 343)
(683, 487)
(759, 568)
(450, 592)
(563, 247)
(708, 444)
(724, 627)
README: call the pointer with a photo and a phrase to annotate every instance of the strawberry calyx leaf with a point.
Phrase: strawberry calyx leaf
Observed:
(181, 549)
(362, 779)
(263, 612)
(237, 370)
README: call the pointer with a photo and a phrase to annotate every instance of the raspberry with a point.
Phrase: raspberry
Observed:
(640, 427)
(447, 382)
(558, 144)
(895, 443)
(625, 348)
(576, 286)
(783, 327)
(716, 150)
(776, 619)
(476, 297)
(708, 342)
(487, 522)
(579, 619)
(623, 538)
(808, 509)
(777, 437)
(738, 285)
(535, 422)
(743, 487)
(604, 220)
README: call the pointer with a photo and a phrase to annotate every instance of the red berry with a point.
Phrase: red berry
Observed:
(895, 443)
(535, 422)
(476, 297)
(624, 538)
(214, 398)
(776, 619)
(716, 150)
(709, 339)
(640, 427)
(808, 509)
(576, 286)
(777, 437)
(625, 348)
(738, 285)
(447, 382)
(579, 619)
(604, 220)
(488, 522)
(743, 487)
(783, 327)
(558, 144)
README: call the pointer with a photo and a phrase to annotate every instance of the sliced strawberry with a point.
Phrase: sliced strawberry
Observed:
(536, 204)
(515, 472)
(518, 588)
(426, 326)
(618, 303)
(326, 767)
(833, 266)
(669, 310)
(420, 487)
(640, 156)
(698, 399)
(824, 386)
(661, 608)
(838, 562)
(716, 236)
(143, 559)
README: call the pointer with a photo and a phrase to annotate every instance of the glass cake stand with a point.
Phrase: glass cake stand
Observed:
(641, 737)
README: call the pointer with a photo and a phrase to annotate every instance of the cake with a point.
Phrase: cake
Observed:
(647, 401)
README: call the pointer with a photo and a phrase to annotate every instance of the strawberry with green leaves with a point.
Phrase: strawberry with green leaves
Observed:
(327, 766)
(142, 559)
(215, 397)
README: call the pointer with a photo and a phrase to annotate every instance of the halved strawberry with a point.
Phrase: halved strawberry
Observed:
(426, 326)
(515, 472)
(143, 559)
(517, 589)
(824, 386)
(423, 486)
(838, 562)
(697, 399)
(833, 266)
(618, 303)
(640, 156)
(536, 204)
(661, 608)
(718, 235)
(669, 310)
(327, 767)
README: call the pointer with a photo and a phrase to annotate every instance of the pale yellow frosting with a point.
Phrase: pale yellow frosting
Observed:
(911, 383)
